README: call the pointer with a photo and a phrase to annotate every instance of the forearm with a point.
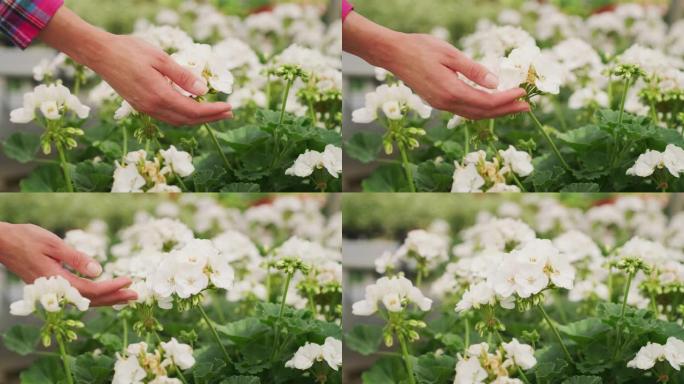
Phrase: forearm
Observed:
(68, 33)
(372, 42)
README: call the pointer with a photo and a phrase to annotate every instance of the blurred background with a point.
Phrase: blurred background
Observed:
(116, 16)
(378, 222)
(453, 20)
(115, 211)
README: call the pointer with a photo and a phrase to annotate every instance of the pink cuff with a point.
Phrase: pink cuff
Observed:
(346, 9)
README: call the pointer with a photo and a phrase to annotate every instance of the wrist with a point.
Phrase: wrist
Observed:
(387, 51)
(5, 235)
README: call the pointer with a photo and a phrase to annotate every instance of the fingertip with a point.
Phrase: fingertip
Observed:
(490, 81)
(130, 294)
(123, 281)
(93, 269)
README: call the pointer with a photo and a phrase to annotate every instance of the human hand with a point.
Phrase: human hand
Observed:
(430, 67)
(137, 70)
(31, 252)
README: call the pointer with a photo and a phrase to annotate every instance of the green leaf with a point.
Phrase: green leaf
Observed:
(47, 370)
(21, 339)
(432, 369)
(241, 187)
(242, 380)
(434, 177)
(388, 178)
(585, 137)
(364, 146)
(47, 178)
(364, 339)
(243, 331)
(22, 146)
(242, 138)
(93, 177)
(584, 330)
(89, 369)
(384, 371)
(581, 187)
(583, 380)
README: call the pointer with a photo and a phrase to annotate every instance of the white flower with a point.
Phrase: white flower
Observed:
(332, 352)
(520, 162)
(92, 245)
(124, 111)
(432, 248)
(310, 353)
(394, 292)
(522, 354)
(392, 99)
(179, 353)
(203, 63)
(647, 356)
(469, 371)
(477, 295)
(127, 179)
(674, 352)
(309, 161)
(52, 100)
(127, 370)
(528, 65)
(54, 293)
(467, 179)
(179, 162)
(454, 122)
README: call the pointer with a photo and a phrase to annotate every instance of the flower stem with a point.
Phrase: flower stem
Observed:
(624, 99)
(555, 332)
(214, 333)
(466, 333)
(214, 140)
(280, 314)
(550, 141)
(622, 313)
(63, 355)
(407, 167)
(286, 95)
(407, 358)
(124, 142)
(466, 144)
(65, 167)
(180, 181)
(125, 334)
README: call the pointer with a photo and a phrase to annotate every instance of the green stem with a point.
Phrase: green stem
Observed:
(312, 304)
(180, 374)
(549, 140)
(555, 332)
(466, 335)
(125, 334)
(280, 314)
(180, 181)
(407, 358)
(65, 167)
(312, 112)
(407, 166)
(286, 94)
(124, 142)
(624, 99)
(214, 333)
(65, 362)
(622, 313)
(214, 140)
(466, 144)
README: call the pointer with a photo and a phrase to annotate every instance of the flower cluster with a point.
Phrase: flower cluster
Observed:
(310, 353)
(139, 366)
(53, 101)
(479, 366)
(477, 174)
(672, 159)
(137, 174)
(395, 293)
(53, 294)
(310, 161)
(395, 101)
(650, 354)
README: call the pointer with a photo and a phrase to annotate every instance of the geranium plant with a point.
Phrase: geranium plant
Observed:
(283, 82)
(250, 296)
(606, 100)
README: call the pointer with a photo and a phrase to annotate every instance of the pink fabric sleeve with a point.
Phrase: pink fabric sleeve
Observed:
(346, 9)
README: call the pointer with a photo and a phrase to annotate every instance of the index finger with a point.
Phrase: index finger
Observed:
(94, 289)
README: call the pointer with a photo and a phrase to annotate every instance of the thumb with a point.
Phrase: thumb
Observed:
(182, 77)
(473, 70)
(78, 261)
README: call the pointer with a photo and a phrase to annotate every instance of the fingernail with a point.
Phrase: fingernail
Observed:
(491, 81)
(93, 269)
(199, 88)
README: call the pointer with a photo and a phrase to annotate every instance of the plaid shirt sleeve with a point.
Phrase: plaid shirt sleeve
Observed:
(22, 20)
